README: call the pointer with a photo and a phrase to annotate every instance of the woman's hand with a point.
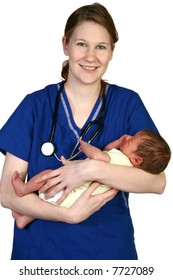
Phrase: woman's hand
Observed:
(67, 178)
(87, 204)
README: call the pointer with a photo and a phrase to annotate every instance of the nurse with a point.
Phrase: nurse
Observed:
(98, 227)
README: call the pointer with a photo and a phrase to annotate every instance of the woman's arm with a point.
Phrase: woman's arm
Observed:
(128, 179)
(31, 205)
(122, 178)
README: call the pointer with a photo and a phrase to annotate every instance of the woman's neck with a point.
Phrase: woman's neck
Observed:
(79, 90)
(82, 99)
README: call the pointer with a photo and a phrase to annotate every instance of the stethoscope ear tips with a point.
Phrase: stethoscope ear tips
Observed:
(47, 149)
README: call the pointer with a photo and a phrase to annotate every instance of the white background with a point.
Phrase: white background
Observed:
(31, 57)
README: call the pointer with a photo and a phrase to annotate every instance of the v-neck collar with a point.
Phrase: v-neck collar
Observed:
(66, 119)
(93, 115)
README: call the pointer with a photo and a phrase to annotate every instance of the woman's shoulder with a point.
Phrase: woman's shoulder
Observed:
(116, 92)
(117, 89)
(37, 99)
(43, 93)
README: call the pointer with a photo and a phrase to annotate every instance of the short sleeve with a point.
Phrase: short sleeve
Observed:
(139, 118)
(16, 134)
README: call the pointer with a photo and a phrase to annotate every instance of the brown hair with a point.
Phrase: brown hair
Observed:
(94, 12)
(154, 151)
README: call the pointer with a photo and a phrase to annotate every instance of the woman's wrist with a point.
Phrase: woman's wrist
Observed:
(92, 170)
(65, 215)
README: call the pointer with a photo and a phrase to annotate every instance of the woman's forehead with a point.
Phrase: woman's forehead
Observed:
(91, 30)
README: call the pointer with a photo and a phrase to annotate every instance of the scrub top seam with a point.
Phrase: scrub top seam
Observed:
(100, 104)
(68, 117)
(125, 200)
(97, 111)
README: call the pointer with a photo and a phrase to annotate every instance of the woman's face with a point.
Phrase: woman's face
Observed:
(89, 50)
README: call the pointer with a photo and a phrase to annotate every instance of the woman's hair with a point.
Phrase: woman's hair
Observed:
(94, 12)
(154, 151)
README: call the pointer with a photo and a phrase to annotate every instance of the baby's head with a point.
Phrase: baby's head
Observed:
(147, 150)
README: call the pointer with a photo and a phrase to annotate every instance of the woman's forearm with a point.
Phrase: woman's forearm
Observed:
(123, 178)
(31, 205)
(129, 179)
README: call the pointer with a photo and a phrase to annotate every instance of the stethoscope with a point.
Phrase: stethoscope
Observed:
(48, 147)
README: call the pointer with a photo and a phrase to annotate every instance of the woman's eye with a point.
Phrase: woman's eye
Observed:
(81, 44)
(101, 47)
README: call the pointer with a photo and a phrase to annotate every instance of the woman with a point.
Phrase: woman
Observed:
(86, 230)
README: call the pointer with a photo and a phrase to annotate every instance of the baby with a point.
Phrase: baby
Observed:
(146, 150)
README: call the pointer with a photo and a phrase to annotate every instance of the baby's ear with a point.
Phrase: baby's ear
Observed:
(136, 160)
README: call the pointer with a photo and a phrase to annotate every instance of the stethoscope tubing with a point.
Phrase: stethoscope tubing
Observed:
(48, 148)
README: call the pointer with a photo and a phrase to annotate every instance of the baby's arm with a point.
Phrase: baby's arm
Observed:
(93, 152)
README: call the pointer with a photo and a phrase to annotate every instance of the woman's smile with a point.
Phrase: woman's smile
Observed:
(89, 68)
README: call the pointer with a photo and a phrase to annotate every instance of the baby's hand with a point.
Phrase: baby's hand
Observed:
(116, 144)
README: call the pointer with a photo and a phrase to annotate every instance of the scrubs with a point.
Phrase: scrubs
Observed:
(108, 233)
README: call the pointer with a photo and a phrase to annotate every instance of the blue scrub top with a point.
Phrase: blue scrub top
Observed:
(108, 233)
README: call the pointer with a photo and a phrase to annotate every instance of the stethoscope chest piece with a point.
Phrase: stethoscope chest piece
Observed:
(47, 149)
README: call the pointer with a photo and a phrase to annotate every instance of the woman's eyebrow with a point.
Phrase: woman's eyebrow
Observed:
(79, 39)
(99, 43)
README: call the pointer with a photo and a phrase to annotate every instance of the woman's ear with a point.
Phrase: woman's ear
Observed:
(64, 44)
(113, 48)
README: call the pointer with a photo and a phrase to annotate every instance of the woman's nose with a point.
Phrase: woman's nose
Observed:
(90, 55)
